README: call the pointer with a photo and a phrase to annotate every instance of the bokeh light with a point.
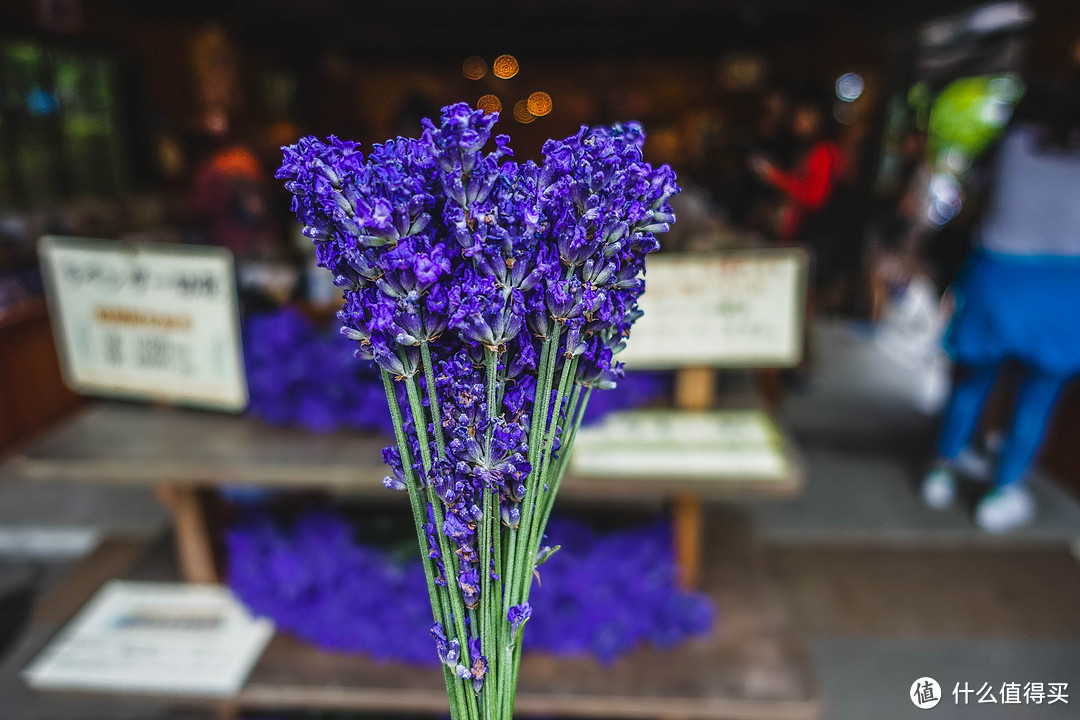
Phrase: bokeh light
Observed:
(474, 67)
(521, 112)
(539, 103)
(849, 87)
(505, 67)
(489, 103)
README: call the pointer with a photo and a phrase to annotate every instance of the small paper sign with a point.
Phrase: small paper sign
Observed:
(742, 308)
(154, 638)
(664, 444)
(146, 320)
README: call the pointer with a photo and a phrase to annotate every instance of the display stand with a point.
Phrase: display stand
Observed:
(749, 667)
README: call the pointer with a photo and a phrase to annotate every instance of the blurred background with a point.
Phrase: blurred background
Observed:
(889, 491)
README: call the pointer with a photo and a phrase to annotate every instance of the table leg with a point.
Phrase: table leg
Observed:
(687, 521)
(193, 549)
(695, 388)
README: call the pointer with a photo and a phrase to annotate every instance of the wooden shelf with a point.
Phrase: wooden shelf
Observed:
(128, 443)
(750, 667)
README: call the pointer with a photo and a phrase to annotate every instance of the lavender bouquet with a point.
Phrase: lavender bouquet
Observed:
(494, 297)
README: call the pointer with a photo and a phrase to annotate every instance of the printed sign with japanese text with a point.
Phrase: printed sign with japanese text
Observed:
(146, 320)
(742, 308)
(151, 637)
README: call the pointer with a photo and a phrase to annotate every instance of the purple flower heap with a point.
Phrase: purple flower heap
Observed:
(494, 296)
(320, 578)
(300, 375)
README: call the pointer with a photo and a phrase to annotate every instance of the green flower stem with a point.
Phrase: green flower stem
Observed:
(439, 609)
(498, 621)
(525, 561)
(433, 404)
(534, 442)
(549, 502)
(440, 446)
(502, 371)
(515, 665)
(488, 597)
(547, 491)
(513, 564)
(567, 431)
(564, 454)
(450, 564)
(536, 436)
(539, 497)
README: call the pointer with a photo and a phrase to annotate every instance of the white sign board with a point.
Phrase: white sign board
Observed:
(155, 638)
(146, 320)
(666, 444)
(742, 308)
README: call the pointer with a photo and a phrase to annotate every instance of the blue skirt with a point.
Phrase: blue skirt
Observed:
(1018, 307)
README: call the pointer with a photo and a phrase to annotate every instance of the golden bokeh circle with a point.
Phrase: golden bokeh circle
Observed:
(505, 67)
(521, 112)
(539, 103)
(474, 67)
(489, 103)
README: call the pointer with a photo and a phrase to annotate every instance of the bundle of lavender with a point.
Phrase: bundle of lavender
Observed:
(494, 297)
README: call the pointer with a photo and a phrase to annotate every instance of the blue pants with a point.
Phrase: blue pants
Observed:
(1034, 406)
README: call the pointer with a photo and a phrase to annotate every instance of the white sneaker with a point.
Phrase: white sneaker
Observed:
(939, 488)
(1005, 509)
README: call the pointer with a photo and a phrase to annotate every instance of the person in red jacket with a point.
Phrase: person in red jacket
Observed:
(818, 215)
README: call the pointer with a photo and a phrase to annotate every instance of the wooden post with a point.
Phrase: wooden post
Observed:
(686, 513)
(695, 389)
(193, 550)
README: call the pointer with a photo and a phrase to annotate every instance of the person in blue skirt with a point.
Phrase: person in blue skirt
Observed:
(1018, 299)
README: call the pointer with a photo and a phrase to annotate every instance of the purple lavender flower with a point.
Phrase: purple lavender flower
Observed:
(494, 296)
(518, 615)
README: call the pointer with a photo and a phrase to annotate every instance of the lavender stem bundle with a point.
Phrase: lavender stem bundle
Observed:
(494, 296)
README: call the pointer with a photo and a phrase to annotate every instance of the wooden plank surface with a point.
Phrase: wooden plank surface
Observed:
(114, 442)
(749, 667)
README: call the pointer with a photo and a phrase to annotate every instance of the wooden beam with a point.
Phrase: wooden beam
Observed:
(687, 525)
(194, 551)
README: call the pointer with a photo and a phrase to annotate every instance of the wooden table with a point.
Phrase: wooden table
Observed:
(181, 451)
(750, 666)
